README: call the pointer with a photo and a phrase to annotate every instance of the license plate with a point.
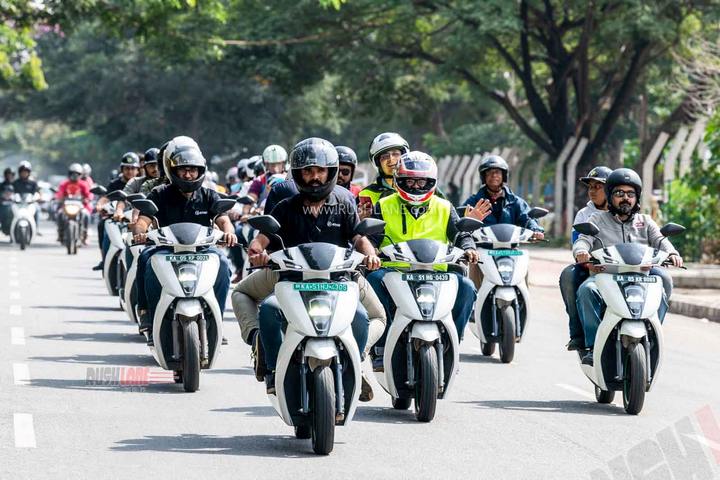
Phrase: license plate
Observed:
(426, 277)
(504, 253)
(195, 257)
(635, 278)
(320, 287)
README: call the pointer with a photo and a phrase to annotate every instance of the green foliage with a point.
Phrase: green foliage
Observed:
(694, 202)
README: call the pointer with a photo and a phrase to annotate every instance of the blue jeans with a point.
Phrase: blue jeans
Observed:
(270, 319)
(591, 306)
(149, 288)
(464, 301)
(570, 280)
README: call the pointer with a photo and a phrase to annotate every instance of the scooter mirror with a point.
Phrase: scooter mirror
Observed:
(116, 195)
(370, 226)
(98, 190)
(264, 223)
(245, 200)
(135, 196)
(222, 206)
(670, 229)
(588, 228)
(468, 224)
(146, 207)
(537, 212)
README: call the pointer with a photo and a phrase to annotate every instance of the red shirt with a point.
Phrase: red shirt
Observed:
(69, 188)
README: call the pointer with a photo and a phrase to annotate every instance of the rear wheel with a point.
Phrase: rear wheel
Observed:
(191, 357)
(426, 386)
(401, 403)
(323, 411)
(635, 379)
(507, 342)
(604, 396)
(487, 349)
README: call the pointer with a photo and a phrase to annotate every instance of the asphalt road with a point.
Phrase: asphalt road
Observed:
(535, 418)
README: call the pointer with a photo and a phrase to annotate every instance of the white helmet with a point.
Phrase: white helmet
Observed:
(87, 169)
(382, 143)
(274, 154)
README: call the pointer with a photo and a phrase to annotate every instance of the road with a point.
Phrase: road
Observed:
(535, 418)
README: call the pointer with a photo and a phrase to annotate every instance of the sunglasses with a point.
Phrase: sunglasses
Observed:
(623, 193)
(345, 171)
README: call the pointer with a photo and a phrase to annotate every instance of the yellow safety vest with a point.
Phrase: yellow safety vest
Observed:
(401, 226)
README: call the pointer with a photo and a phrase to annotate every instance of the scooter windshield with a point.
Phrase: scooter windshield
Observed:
(503, 232)
(319, 256)
(188, 233)
(425, 251)
(631, 253)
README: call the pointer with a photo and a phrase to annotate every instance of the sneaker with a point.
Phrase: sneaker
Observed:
(270, 383)
(378, 365)
(150, 341)
(576, 344)
(366, 391)
(224, 340)
(258, 357)
(145, 324)
(588, 358)
(98, 267)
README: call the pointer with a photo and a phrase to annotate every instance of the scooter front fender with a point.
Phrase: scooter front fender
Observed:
(425, 331)
(633, 329)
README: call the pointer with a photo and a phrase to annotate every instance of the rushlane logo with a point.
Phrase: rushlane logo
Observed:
(689, 449)
(127, 376)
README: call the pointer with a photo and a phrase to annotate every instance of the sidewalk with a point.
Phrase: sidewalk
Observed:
(696, 293)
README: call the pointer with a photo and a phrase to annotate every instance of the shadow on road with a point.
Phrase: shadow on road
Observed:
(110, 322)
(283, 446)
(116, 360)
(78, 384)
(230, 371)
(94, 337)
(91, 308)
(479, 358)
(550, 406)
(384, 415)
(255, 411)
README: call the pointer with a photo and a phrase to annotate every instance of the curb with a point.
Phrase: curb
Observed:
(690, 309)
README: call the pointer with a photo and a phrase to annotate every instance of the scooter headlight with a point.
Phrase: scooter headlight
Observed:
(187, 275)
(320, 308)
(72, 210)
(506, 268)
(426, 298)
(635, 299)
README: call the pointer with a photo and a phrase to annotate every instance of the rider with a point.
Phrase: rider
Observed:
(415, 212)
(87, 171)
(385, 151)
(574, 275)
(320, 212)
(7, 190)
(74, 186)
(24, 184)
(134, 185)
(495, 203)
(273, 158)
(346, 172)
(620, 224)
(161, 179)
(183, 200)
(129, 167)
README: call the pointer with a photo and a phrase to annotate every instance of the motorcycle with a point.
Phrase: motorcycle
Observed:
(128, 262)
(317, 377)
(629, 341)
(23, 228)
(421, 354)
(502, 307)
(73, 211)
(187, 326)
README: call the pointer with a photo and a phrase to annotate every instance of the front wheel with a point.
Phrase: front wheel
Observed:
(191, 357)
(487, 349)
(323, 411)
(426, 386)
(507, 343)
(302, 432)
(604, 396)
(635, 379)
(401, 403)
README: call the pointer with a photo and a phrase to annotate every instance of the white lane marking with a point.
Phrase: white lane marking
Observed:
(576, 390)
(24, 430)
(21, 372)
(14, 283)
(14, 295)
(13, 259)
(15, 310)
(17, 336)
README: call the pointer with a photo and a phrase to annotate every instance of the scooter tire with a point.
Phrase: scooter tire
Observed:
(604, 396)
(426, 386)
(323, 411)
(635, 379)
(507, 343)
(191, 357)
(401, 403)
(487, 349)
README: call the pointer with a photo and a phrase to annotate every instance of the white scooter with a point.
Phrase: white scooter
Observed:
(187, 326)
(421, 356)
(23, 228)
(128, 295)
(318, 369)
(503, 302)
(113, 272)
(629, 341)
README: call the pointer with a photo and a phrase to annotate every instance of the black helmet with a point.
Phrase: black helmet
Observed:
(493, 161)
(623, 176)
(314, 152)
(599, 174)
(258, 167)
(8, 170)
(346, 156)
(130, 159)
(151, 155)
(184, 152)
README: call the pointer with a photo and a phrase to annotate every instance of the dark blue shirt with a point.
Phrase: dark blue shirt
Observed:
(506, 209)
